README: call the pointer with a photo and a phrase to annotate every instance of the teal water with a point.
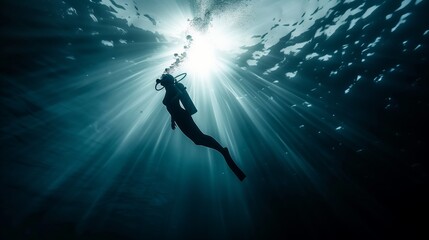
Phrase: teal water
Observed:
(322, 104)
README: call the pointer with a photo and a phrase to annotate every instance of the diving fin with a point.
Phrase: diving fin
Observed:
(237, 171)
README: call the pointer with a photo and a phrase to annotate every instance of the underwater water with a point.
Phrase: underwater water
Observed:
(322, 103)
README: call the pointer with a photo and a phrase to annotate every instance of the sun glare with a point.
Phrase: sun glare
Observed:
(202, 55)
(205, 54)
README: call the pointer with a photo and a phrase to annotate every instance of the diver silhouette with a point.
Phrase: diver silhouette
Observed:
(175, 92)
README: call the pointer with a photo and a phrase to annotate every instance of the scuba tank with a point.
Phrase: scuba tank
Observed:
(184, 97)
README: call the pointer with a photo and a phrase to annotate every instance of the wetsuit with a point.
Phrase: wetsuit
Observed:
(190, 129)
(185, 122)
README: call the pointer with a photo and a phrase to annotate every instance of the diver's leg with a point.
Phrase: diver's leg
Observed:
(237, 171)
(208, 141)
(191, 130)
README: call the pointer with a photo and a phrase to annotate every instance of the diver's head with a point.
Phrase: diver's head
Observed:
(166, 80)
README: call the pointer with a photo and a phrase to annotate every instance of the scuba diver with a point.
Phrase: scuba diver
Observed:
(175, 92)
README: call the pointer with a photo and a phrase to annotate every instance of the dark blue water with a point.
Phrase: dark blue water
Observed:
(323, 104)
